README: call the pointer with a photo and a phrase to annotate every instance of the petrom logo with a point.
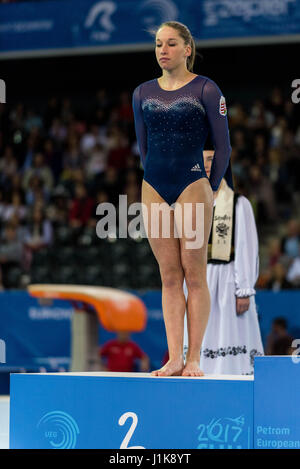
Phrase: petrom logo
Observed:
(2, 92)
(2, 351)
(60, 429)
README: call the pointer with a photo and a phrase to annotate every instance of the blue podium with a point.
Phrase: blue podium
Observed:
(276, 402)
(134, 410)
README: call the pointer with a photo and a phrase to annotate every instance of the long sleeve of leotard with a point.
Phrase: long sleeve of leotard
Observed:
(215, 107)
(140, 127)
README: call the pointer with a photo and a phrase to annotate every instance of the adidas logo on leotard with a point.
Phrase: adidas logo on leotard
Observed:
(196, 168)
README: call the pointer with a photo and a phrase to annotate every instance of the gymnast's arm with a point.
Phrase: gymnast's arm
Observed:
(140, 127)
(215, 107)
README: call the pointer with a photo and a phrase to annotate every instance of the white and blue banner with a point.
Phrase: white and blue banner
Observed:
(36, 334)
(74, 26)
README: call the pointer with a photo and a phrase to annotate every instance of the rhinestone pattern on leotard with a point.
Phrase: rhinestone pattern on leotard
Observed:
(171, 124)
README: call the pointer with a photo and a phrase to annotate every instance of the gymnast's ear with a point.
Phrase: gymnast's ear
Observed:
(189, 49)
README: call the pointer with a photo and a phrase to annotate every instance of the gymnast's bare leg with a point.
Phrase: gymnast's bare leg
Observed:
(194, 263)
(167, 253)
(176, 261)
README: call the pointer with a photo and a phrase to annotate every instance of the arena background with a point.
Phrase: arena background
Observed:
(247, 70)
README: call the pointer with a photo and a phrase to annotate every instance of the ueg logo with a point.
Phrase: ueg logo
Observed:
(2, 92)
(296, 93)
(2, 351)
(60, 429)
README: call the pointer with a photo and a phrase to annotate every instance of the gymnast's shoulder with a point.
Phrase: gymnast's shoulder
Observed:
(145, 85)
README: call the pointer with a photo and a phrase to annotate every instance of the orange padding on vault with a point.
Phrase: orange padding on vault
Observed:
(117, 310)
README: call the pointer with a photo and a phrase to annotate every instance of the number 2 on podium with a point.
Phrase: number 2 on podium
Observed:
(129, 434)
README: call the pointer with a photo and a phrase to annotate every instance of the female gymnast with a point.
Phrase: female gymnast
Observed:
(232, 337)
(173, 115)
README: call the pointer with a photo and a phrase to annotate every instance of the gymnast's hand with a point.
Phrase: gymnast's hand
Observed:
(242, 305)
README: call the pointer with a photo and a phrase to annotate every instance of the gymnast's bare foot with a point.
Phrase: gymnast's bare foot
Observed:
(192, 369)
(171, 368)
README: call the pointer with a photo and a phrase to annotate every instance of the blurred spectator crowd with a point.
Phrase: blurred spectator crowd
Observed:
(266, 166)
(283, 264)
(58, 163)
(55, 168)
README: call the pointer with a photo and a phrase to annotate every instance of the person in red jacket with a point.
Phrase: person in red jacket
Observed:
(121, 354)
(81, 207)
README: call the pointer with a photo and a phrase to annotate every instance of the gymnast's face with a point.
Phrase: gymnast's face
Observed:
(208, 156)
(170, 49)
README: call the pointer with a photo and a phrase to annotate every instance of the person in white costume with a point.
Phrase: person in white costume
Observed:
(232, 336)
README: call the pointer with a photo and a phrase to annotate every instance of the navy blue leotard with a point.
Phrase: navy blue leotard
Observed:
(171, 130)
